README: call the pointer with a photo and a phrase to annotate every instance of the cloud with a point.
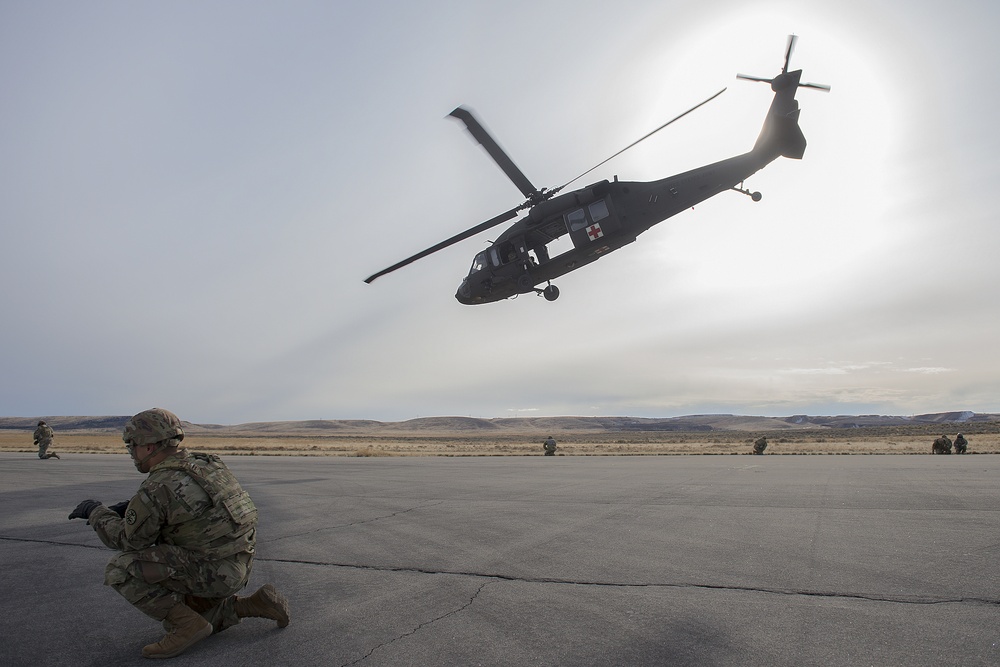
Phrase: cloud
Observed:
(191, 200)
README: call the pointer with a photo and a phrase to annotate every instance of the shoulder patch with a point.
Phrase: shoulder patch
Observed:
(136, 513)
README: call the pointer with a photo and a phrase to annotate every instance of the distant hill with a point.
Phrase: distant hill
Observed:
(66, 423)
(429, 425)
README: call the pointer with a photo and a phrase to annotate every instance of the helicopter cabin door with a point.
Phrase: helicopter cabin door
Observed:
(589, 224)
(505, 252)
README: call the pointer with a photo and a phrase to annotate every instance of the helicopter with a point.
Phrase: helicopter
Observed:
(607, 215)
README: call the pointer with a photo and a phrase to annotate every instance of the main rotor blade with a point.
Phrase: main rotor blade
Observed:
(642, 139)
(482, 227)
(480, 134)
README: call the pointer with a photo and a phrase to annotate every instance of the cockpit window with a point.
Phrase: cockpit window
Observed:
(598, 210)
(576, 220)
(479, 263)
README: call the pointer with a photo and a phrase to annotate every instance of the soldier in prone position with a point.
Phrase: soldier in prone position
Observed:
(187, 539)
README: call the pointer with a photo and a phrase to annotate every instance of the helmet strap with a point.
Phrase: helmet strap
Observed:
(157, 446)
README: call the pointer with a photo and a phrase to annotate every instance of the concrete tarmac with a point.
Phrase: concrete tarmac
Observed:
(680, 560)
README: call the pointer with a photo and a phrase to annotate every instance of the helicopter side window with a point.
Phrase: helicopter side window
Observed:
(576, 220)
(599, 210)
(503, 253)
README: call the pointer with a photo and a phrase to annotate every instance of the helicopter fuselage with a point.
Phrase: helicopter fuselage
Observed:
(599, 219)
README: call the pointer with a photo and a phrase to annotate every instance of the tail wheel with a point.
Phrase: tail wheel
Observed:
(551, 293)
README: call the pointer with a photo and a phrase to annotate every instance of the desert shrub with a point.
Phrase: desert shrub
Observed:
(370, 451)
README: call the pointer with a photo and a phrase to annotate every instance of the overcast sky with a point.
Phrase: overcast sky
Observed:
(191, 194)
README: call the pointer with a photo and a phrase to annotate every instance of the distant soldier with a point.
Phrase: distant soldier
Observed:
(942, 445)
(550, 446)
(759, 445)
(961, 444)
(43, 438)
(187, 539)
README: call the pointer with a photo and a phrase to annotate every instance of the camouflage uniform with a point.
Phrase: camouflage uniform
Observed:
(759, 445)
(550, 446)
(961, 444)
(941, 445)
(43, 438)
(187, 537)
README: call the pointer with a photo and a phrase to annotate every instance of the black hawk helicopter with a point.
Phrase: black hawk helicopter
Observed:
(607, 215)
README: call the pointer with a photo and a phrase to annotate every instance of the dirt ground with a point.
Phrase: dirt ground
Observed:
(983, 439)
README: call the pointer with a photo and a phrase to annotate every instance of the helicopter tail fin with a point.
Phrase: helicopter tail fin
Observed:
(781, 134)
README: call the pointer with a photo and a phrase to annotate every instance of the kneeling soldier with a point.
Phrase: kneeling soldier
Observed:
(187, 539)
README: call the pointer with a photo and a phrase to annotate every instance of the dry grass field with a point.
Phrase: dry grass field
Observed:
(983, 439)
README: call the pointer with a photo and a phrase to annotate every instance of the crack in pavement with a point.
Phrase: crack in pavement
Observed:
(99, 547)
(494, 576)
(870, 597)
(421, 626)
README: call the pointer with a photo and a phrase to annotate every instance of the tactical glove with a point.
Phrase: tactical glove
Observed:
(119, 508)
(84, 509)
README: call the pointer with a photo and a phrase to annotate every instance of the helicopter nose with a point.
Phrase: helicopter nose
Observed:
(464, 295)
(464, 298)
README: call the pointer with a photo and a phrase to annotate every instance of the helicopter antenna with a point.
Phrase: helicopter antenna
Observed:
(638, 140)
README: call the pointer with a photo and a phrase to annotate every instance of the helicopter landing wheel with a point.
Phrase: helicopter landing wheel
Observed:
(756, 196)
(551, 293)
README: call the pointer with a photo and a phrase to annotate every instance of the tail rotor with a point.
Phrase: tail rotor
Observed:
(784, 80)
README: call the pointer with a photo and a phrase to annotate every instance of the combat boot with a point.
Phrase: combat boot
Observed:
(185, 627)
(267, 602)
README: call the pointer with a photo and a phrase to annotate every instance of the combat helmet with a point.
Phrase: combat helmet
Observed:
(152, 426)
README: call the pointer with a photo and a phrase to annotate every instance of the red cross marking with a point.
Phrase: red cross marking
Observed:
(594, 232)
